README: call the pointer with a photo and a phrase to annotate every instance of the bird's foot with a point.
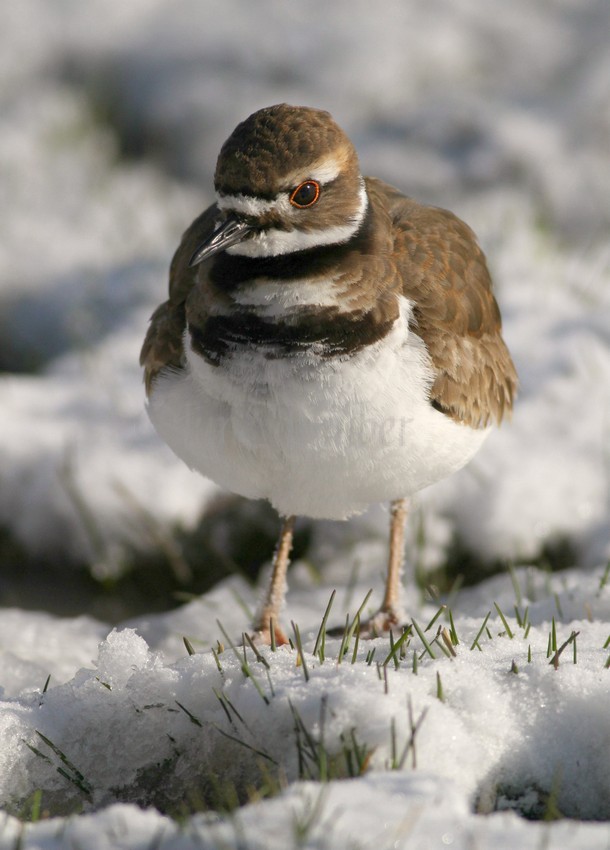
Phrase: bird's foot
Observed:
(261, 635)
(385, 620)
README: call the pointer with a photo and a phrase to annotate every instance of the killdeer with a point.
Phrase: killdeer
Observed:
(327, 343)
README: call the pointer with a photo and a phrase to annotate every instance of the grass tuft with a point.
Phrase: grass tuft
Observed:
(452, 630)
(272, 635)
(66, 769)
(243, 743)
(350, 628)
(439, 688)
(31, 811)
(504, 621)
(304, 822)
(316, 762)
(422, 637)
(191, 717)
(343, 646)
(260, 658)
(356, 642)
(243, 662)
(558, 605)
(217, 660)
(447, 640)
(402, 642)
(231, 712)
(357, 756)
(299, 645)
(572, 639)
(604, 579)
(551, 809)
(398, 762)
(475, 642)
(435, 618)
(321, 636)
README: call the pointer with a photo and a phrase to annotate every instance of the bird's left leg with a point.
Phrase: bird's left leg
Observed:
(391, 614)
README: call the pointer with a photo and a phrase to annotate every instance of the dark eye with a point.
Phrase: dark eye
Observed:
(306, 194)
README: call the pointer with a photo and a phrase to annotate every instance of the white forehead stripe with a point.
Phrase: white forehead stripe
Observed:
(324, 171)
(272, 242)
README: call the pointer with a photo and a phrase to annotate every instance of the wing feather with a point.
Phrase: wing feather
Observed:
(163, 343)
(445, 275)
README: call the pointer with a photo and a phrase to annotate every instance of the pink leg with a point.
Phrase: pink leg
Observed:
(390, 613)
(274, 598)
(391, 599)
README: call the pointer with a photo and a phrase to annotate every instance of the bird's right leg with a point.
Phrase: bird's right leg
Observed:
(273, 601)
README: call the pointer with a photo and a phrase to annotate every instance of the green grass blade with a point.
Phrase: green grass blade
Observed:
(322, 630)
(422, 637)
(475, 642)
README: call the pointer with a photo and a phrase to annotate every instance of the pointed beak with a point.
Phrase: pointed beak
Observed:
(227, 232)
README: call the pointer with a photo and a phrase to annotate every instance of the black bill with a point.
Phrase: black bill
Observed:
(227, 232)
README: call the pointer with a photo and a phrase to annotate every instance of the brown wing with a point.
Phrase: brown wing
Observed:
(444, 272)
(163, 343)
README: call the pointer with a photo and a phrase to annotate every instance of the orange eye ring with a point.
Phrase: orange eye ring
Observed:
(305, 195)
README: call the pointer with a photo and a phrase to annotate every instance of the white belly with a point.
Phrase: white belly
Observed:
(317, 437)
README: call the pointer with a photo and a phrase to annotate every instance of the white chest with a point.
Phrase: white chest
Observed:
(317, 437)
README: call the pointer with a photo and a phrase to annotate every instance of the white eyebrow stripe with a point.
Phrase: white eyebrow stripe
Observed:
(322, 172)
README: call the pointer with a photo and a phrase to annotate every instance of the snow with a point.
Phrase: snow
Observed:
(142, 722)
(112, 115)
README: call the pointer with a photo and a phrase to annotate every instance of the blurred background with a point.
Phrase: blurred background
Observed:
(111, 118)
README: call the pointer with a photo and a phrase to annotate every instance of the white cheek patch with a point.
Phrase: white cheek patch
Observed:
(272, 243)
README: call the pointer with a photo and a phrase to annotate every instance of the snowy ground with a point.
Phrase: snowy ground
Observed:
(503, 717)
(111, 117)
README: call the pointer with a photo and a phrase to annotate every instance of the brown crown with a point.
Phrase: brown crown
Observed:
(272, 143)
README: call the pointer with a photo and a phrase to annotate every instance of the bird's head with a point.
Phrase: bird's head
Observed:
(287, 179)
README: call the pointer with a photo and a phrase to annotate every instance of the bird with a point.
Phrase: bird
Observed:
(328, 342)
